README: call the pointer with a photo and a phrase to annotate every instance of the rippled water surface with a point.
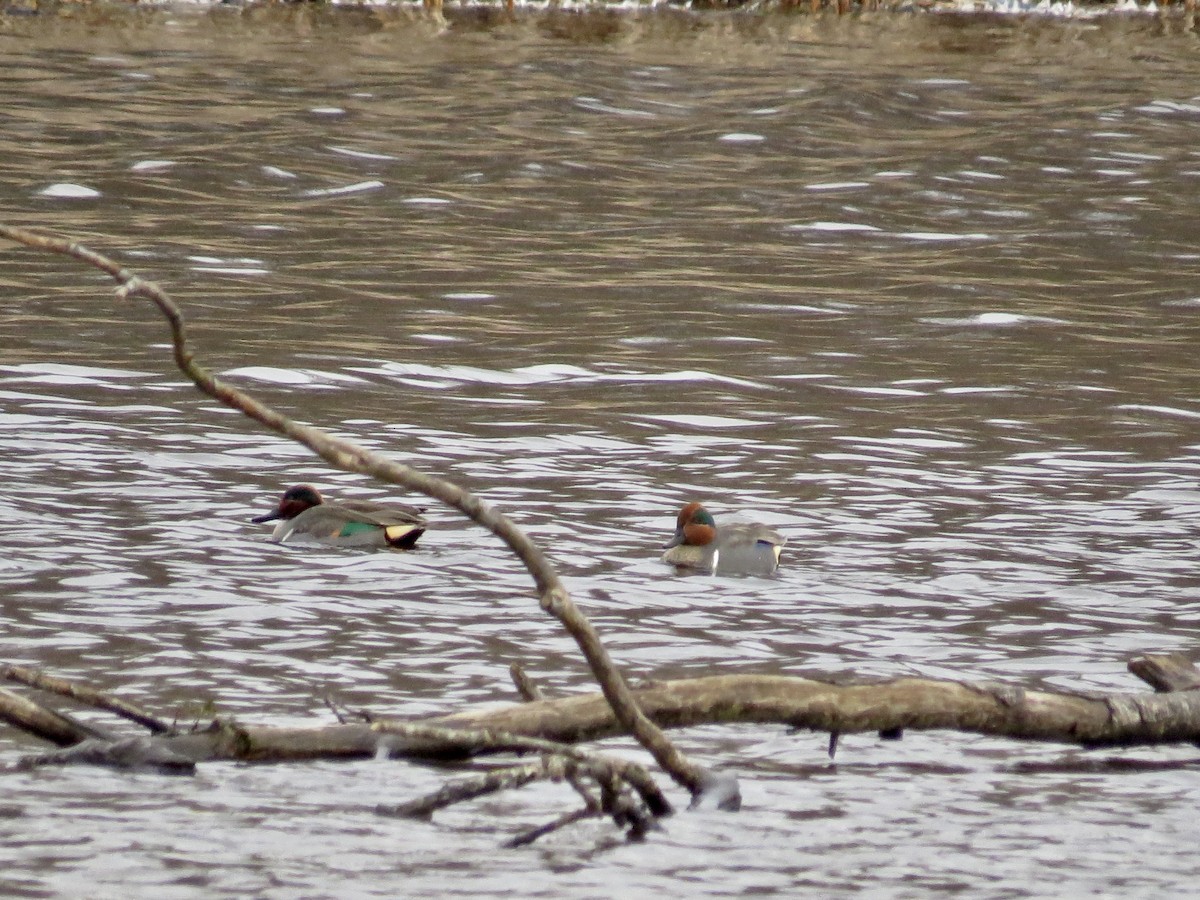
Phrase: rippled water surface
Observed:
(923, 293)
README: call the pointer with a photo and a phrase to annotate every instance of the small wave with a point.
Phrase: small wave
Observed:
(356, 188)
(307, 377)
(65, 190)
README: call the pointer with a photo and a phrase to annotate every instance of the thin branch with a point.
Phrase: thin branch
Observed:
(625, 811)
(552, 595)
(453, 792)
(525, 685)
(332, 705)
(40, 721)
(36, 679)
(528, 837)
(499, 741)
(589, 799)
(1166, 673)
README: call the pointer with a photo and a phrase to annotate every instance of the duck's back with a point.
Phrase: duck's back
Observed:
(380, 514)
(747, 550)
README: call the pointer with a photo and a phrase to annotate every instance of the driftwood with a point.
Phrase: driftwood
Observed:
(34, 678)
(610, 786)
(914, 704)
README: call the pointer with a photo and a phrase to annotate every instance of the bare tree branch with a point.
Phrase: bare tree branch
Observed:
(42, 722)
(552, 594)
(471, 740)
(502, 779)
(139, 752)
(1087, 719)
(528, 837)
(626, 812)
(83, 694)
(525, 685)
(1166, 673)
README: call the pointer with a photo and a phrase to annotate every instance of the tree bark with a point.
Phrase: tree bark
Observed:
(914, 704)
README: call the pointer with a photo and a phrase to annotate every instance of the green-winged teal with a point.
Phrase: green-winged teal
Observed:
(349, 523)
(738, 549)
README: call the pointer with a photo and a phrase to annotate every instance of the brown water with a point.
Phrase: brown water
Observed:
(921, 292)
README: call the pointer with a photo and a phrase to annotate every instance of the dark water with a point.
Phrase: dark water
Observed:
(921, 292)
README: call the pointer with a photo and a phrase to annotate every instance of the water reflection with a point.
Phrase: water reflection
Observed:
(934, 320)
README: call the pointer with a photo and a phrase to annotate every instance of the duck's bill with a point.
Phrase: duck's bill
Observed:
(258, 520)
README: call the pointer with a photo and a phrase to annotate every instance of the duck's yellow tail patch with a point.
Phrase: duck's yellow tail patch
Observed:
(403, 535)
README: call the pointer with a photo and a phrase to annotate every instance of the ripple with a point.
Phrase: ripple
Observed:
(941, 236)
(306, 377)
(153, 165)
(66, 190)
(704, 422)
(834, 226)
(837, 186)
(357, 187)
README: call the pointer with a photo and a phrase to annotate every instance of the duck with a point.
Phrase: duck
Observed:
(348, 523)
(738, 549)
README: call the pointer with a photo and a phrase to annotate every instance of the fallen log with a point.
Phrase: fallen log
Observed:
(912, 704)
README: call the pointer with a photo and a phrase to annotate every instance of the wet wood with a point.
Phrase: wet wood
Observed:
(123, 753)
(561, 822)
(525, 685)
(123, 708)
(397, 738)
(908, 703)
(628, 814)
(40, 722)
(1166, 673)
(915, 704)
(489, 783)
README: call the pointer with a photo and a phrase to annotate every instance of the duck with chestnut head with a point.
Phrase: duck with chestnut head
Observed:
(741, 548)
(348, 523)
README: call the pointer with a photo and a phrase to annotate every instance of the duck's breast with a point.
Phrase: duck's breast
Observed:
(689, 556)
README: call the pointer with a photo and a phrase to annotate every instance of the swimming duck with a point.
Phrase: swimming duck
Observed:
(350, 523)
(740, 549)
